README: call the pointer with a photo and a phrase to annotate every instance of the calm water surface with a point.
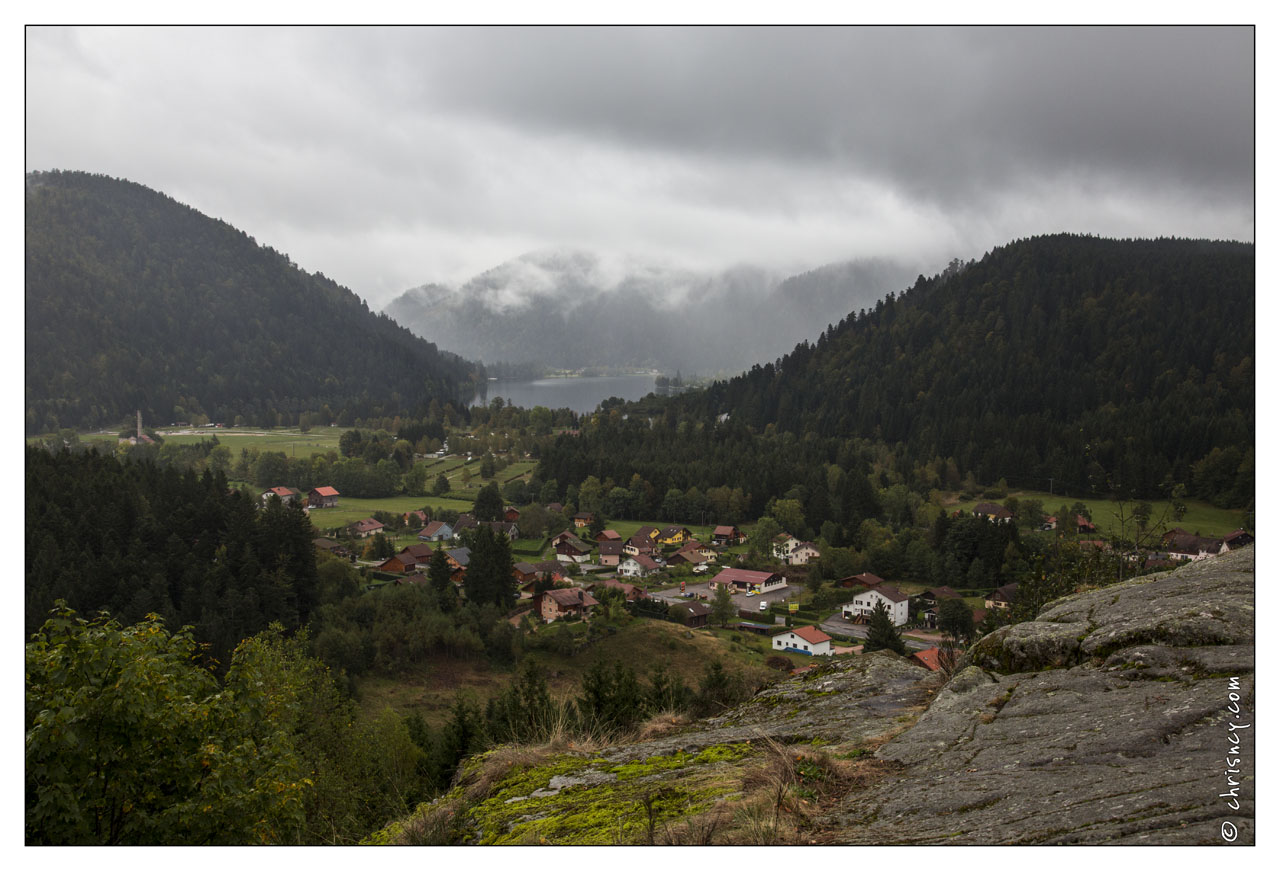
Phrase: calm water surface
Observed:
(580, 394)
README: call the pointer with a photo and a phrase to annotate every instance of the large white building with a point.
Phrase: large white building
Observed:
(864, 604)
(804, 639)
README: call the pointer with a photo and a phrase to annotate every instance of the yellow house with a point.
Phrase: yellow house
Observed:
(674, 535)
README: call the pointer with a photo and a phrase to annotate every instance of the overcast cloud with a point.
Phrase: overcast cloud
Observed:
(388, 158)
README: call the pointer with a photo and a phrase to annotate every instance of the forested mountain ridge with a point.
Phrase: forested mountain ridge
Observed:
(1065, 357)
(575, 309)
(135, 301)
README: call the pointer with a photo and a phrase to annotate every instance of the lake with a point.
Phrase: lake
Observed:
(579, 394)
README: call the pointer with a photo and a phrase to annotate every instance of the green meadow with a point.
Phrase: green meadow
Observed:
(1200, 518)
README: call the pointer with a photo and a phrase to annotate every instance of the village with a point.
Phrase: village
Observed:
(668, 573)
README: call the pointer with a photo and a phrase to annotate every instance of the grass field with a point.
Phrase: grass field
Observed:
(292, 442)
(350, 509)
(1201, 518)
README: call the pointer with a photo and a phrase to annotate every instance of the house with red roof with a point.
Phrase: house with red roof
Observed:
(365, 528)
(928, 658)
(742, 580)
(286, 495)
(695, 546)
(630, 591)
(866, 579)
(804, 639)
(436, 530)
(726, 536)
(552, 605)
(1236, 539)
(524, 573)
(564, 536)
(402, 563)
(322, 497)
(691, 557)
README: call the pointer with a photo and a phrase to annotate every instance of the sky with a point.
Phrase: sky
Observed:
(388, 158)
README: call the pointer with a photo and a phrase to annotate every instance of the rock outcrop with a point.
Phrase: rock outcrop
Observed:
(1122, 715)
(1108, 719)
(842, 702)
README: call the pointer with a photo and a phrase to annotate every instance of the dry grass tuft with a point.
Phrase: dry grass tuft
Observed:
(700, 831)
(499, 763)
(660, 724)
(791, 788)
(428, 827)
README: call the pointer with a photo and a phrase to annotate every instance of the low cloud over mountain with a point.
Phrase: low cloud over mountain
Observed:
(574, 309)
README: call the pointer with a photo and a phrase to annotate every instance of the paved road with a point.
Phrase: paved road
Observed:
(741, 601)
(837, 625)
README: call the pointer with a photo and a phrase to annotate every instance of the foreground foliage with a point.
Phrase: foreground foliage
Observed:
(130, 740)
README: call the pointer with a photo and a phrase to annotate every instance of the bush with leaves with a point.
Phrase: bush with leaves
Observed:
(955, 619)
(130, 740)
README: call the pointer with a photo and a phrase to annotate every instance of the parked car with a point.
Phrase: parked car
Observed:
(764, 605)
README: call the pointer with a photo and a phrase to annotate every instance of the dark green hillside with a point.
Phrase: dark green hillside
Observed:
(135, 301)
(1060, 357)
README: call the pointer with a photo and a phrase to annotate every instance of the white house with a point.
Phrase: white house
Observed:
(804, 639)
(286, 494)
(783, 545)
(864, 604)
(802, 553)
(637, 567)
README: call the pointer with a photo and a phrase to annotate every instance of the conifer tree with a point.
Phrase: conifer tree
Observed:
(488, 505)
(489, 577)
(881, 633)
(440, 579)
